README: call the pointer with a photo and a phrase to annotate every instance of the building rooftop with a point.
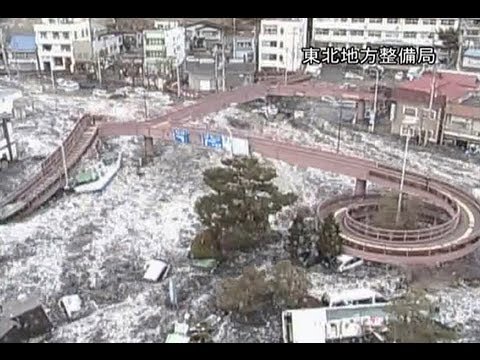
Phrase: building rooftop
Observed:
(452, 85)
(22, 42)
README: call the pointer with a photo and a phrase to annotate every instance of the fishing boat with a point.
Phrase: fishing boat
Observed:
(98, 178)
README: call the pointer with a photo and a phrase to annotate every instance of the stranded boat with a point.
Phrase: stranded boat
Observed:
(97, 179)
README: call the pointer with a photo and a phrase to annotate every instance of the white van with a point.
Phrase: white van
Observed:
(353, 297)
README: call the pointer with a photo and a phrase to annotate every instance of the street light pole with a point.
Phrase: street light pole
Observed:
(377, 77)
(339, 126)
(65, 170)
(400, 195)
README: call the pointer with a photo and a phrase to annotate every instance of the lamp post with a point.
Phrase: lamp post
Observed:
(65, 170)
(400, 195)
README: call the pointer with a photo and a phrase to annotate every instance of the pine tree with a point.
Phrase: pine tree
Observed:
(243, 198)
(329, 244)
(302, 239)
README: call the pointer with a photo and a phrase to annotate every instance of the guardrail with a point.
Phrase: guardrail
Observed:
(48, 180)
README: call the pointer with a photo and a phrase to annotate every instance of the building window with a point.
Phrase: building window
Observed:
(449, 22)
(339, 32)
(392, 21)
(411, 21)
(47, 47)
(56, 35)
(376, 34)
(58, 61)
(270, 29)
(270, 57)
(65, 47)
(51, 21)
(281, 44)
(281, 31)
(155, 41)
(269, 43)
(429, 21)
(433, 114)
(344, 19)
(280, 58)
(322, 31)
(357, 32)
(409, 35)
(155, 54)
(75, 35)
(391, 35)
(375, 20)
(358, 20)
(472, 32)
(43, 34)
(66, 35)
(410, 111)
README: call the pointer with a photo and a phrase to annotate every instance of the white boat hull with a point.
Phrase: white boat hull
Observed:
(103, 181)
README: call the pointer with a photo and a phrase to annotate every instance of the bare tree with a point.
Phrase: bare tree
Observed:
(411, 320)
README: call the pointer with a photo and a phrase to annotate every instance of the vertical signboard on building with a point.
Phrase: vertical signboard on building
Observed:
(181, 136)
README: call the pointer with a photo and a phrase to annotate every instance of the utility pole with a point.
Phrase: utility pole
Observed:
(177, 70)
(223, 62)
(52, 76)
(4, 52)
(339, 127)
(234, 38)
(375, 99)
(400, 195)
(433, 85)
(145, 105)
(216, 71)
(99, 70)
(460, 44)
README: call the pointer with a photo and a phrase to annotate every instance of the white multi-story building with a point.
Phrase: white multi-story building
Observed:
(280, 43)
(162, 46)
(375, 32)
(107, 45)
(55, 38)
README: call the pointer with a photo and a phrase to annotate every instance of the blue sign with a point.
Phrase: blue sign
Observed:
(181, 136)
(213, 141)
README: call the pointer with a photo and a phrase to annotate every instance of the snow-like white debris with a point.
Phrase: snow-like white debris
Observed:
(95, 245)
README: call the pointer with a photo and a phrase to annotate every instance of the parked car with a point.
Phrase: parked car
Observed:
(352, 75)
(414, 73)
(346, 262)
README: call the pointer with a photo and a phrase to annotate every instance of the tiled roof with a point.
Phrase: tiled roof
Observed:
(451, 85)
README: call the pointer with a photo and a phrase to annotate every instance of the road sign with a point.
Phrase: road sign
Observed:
(213, 141)
(181, 136)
